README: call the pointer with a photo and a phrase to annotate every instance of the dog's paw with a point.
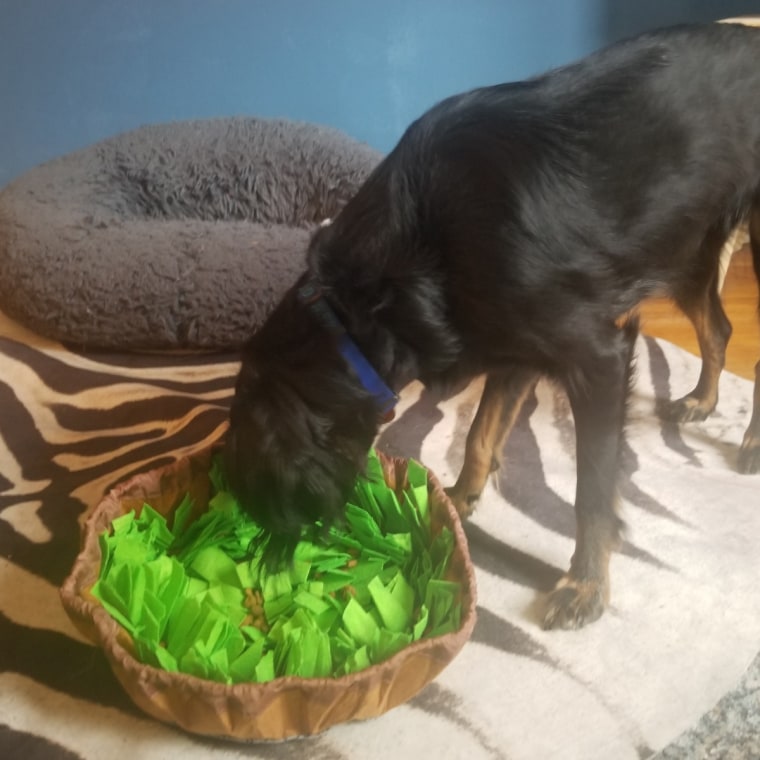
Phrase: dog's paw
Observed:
(574, 603)
(686, 409)
(464, 503)
(749, 455)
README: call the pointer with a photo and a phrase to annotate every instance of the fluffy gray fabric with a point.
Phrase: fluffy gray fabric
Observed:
(178, 235)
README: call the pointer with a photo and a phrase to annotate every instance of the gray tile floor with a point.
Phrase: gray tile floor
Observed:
(730, 731)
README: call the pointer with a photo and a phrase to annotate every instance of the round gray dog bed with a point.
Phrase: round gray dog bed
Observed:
(177, 235)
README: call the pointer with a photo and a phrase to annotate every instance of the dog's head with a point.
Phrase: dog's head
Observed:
(300, 424)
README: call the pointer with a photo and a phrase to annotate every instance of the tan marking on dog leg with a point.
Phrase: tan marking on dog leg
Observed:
(701, 402)
(713, 330)
(502, 399)
(583, 593)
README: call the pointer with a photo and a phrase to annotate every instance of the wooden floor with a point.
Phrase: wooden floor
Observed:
(740, 300)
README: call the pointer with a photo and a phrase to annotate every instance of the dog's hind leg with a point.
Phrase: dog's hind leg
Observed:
(502, 399)
(749, 453)
(598, 389)
(700, 301)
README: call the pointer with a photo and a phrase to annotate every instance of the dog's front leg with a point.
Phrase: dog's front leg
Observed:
(597, 397)
(502, 399)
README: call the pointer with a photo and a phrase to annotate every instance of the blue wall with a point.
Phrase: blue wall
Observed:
(75, 71)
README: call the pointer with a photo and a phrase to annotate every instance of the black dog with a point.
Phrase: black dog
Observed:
(510, 232)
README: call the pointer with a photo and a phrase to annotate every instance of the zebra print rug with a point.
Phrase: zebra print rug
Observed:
(683, 628)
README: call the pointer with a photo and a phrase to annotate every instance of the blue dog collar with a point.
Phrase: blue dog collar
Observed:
(311, 295)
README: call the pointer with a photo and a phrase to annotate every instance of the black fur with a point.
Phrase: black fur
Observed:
(509, 232)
